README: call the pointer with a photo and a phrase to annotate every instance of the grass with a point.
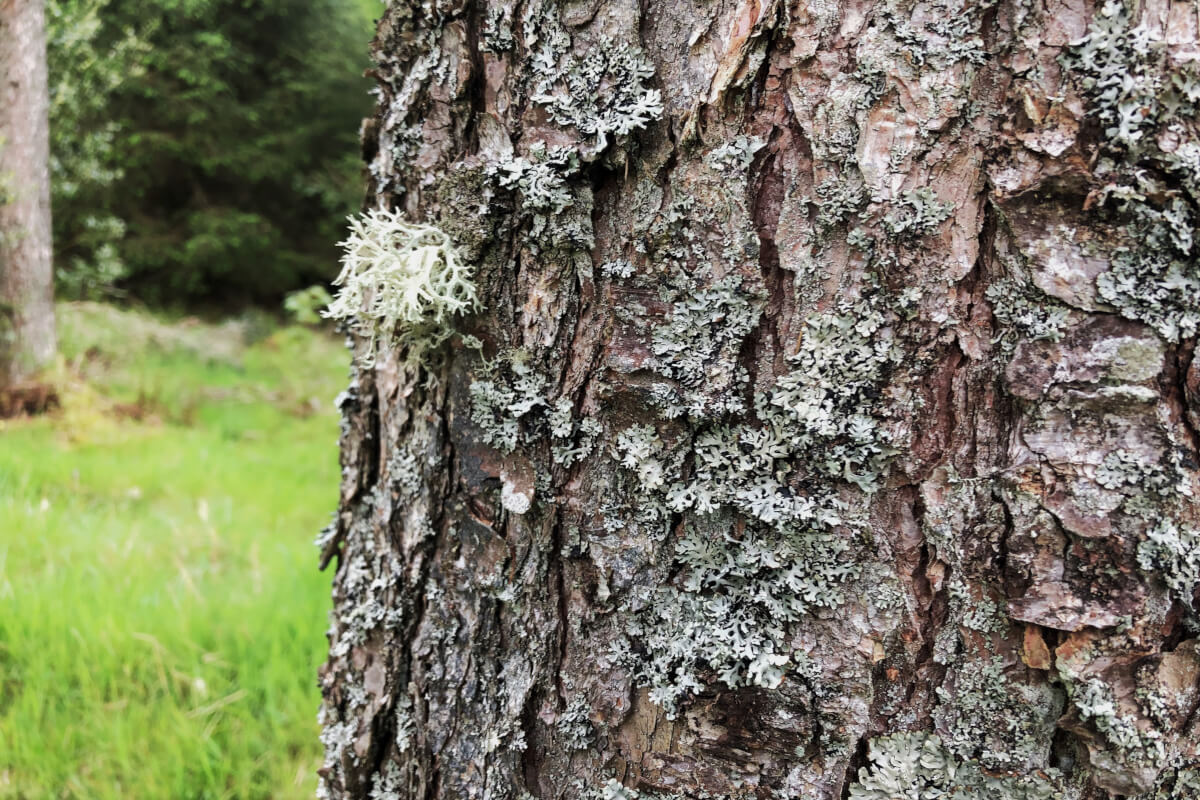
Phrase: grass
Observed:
(161, 616)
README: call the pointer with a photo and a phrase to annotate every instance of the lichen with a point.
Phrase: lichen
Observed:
(1149, 172)
(1171, 551)
(1027, 311)
(760, 546)
(540, 179)
(917, 213)
(400, 281)
(981, 694)
(1095, 701)
(511, 391)
(574, 725)
(918, 765)
(599, 92)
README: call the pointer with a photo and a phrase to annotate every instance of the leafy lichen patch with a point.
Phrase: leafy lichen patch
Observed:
(918, 765)
(1145, 95)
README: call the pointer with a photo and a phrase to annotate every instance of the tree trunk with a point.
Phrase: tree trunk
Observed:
(829, 426)
(26, 260)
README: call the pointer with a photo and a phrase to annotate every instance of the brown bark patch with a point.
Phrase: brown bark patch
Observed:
(27, 400)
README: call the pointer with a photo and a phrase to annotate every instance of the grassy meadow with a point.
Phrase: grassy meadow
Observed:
(161, 615)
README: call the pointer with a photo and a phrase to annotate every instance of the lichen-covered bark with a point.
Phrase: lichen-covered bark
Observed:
(830, 425)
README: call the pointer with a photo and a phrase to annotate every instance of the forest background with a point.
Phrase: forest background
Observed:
(162, 615)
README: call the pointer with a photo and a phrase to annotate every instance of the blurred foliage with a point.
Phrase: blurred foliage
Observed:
(305, 305)
(204, 150)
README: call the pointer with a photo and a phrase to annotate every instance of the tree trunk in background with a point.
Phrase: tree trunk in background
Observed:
(26, 265)
(834, 430)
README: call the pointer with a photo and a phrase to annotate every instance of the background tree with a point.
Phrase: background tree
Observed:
(204, 152)
(26, 270)
(829, 424)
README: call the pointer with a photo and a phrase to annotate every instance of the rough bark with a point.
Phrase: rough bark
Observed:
(26, 271)
(827, 430)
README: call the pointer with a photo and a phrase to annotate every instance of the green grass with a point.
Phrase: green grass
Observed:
(161, 616)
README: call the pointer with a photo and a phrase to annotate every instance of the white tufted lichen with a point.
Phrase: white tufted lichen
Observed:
(400, 280)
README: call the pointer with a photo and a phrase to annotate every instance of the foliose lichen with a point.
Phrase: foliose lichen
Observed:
(918, 212)
(760, 546)
(918, 765)
(1027, 311)
(1150, 172)
(981, 695)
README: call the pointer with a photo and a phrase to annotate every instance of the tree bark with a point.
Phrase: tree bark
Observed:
(27, 339)
(830, 425)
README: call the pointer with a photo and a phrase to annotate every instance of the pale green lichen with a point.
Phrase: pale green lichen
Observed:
(760, 547)
(574, 725)
(981, 695)
(838, 199)
(389, 783)
(400, 280)
(1175, 784)
(918, 766)
(499, 402)
(1171, 551)
(917, 213)
(1027, 311)
(600, 92)
(1095, 702)
(497, 30)
(1151, 173)
(736, 155)
(707, 324)
(509, 405)
(540, 179)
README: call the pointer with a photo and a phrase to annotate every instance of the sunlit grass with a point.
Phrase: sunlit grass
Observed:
(161, 617)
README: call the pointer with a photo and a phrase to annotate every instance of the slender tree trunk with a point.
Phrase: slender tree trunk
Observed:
(26, 259)
(829, 427)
